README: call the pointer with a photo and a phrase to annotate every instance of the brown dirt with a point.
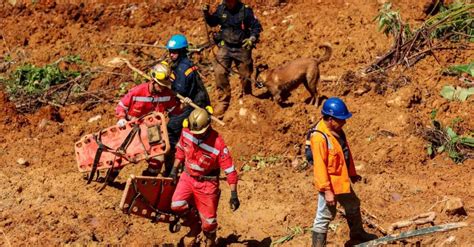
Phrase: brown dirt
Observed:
(48, 203)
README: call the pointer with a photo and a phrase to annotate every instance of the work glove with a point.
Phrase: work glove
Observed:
(248, 43)
(174, 175)
(205, 8)
(187, 101)
(234, 201)
(122, 122)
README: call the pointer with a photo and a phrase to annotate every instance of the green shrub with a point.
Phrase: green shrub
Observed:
(31, 81)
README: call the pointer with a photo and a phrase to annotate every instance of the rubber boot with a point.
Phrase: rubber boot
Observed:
(169, 159)
(210, 239)
(190, 239)
(246, 88)
(357, 231)
(150, 172)
(319, 239)
(191, 219)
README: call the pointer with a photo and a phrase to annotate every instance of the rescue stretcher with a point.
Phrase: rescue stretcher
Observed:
(115, 147)
(150, 197)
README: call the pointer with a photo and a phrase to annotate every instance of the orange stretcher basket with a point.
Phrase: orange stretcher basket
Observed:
(140, 139)
(150, 197)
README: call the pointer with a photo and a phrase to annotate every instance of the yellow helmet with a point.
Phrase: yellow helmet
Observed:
(198, 121)
(160, 73)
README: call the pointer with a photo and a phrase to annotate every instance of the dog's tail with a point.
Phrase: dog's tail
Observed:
(327, 53)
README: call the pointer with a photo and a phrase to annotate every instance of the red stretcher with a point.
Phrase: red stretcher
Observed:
(115, 147)
(150, 197)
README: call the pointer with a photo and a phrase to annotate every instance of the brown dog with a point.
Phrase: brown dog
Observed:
(289, 76)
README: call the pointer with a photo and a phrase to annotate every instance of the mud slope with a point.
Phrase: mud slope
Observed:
(46, 202)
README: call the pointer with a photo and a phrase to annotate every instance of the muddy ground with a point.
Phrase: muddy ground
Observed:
(46, 202)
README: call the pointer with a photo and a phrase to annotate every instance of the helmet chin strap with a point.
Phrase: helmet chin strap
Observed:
(204, 136)
(153, 89)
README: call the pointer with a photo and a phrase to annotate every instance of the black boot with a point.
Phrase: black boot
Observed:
(357, 231)
(150, 172)
(319, 239)
(113, 175)
(209, 239)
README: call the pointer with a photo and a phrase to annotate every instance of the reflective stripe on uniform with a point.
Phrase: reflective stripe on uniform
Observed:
(201, 145)
(190, 70)
(151, 99)
(122, 105)
(178, 203)
(230, 169)
(196, 167)
(209, 221)
(170, 109)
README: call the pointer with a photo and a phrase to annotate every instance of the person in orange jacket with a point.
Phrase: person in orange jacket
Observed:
(333, 173)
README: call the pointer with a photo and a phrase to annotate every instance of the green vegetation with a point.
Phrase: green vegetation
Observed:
(458, 94)
(31, 86)
(29, 80)
(390, 22)
(445, 139)
(259, 162)
(454, 21)
(460, 69)
(293, 232)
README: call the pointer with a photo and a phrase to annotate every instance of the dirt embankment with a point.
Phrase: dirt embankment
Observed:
(46, 201)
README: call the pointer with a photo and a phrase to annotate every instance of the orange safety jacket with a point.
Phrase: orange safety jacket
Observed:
(330, 169)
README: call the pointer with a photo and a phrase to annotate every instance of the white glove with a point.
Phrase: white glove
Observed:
(187, 101)
(122, 122)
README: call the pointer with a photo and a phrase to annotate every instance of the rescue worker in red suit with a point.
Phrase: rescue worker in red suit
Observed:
(155, 95)
(203, 152)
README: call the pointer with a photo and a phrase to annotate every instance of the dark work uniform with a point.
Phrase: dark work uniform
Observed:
(186, 81)
(236, 25)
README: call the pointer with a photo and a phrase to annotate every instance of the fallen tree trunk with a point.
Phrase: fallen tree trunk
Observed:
(414, 233)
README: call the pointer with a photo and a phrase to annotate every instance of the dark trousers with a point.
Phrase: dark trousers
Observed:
(243, 60)
(175, 126)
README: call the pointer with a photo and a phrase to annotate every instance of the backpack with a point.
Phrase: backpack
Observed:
(307, 148)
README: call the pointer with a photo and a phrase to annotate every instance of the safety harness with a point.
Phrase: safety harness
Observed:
(308, 153)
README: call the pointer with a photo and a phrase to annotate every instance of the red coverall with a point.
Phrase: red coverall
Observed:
(196, 186)
(139, 101)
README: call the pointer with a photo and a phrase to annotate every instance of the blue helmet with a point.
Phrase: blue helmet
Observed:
(336, 108)
(177, 41)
